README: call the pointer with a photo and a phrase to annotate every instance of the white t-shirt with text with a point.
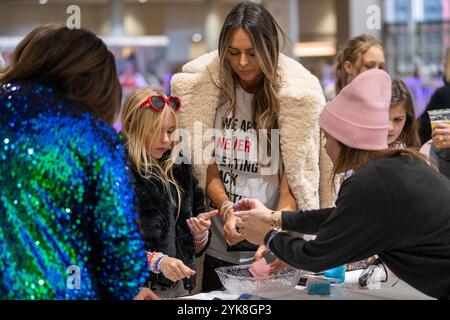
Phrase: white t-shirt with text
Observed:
(236, 156)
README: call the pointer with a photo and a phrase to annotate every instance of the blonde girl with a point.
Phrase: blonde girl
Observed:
(169, 197)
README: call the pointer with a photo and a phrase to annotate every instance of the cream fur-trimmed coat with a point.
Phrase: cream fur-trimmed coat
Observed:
(308, 168)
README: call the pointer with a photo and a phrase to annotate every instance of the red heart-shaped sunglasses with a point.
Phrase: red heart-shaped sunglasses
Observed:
(158, 103)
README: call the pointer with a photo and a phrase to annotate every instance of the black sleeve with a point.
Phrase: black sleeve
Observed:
(198, 205)
(307, 222)
(118, 248)
(360, 226)
(424, 128)
(201, 252)
(152, 211)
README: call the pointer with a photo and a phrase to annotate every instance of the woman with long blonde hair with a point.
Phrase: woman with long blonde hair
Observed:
(171, 204)
(255, 98)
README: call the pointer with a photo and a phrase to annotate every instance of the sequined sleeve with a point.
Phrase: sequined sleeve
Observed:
(121, 251)
(67, 212)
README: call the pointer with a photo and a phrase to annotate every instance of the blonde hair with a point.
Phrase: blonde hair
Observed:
(142, 126)
(352, 52)
(263, 31)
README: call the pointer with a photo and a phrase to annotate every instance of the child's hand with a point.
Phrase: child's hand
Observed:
(174, 269)
(202, 222)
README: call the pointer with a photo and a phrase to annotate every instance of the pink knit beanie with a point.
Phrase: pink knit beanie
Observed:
(359, 115)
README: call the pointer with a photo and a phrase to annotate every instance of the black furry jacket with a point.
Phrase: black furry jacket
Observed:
(158, 211)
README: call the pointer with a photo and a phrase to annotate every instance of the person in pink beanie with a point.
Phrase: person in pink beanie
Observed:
(394, 205)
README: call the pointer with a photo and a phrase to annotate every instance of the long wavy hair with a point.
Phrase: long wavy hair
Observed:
(264, 32)
(140, 128)
(352, 52)
(401, 96)
(75, 61)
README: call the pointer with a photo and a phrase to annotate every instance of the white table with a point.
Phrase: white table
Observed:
(348, 291)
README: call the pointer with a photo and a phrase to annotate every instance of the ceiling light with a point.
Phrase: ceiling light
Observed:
(314, 49)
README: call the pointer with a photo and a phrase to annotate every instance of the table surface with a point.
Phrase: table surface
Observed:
(394, 289)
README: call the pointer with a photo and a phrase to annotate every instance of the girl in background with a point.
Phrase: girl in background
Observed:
(361, 53)
(244, 87)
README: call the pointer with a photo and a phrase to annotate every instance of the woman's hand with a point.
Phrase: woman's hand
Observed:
(174, 269)
(232, 236)
(202, 222)
(255, 224)
(441, 135)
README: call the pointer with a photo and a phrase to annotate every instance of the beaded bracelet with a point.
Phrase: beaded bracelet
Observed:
(201, 239)
(199, 235)
(150, 256)
(197, 243)
(158, 262)
(154, 259)
(152, 265)
(200, 245)
(152, 262)
(225, 216)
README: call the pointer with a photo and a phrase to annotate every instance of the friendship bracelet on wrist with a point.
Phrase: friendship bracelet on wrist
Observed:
(199, 235)
(275, 221)
(201, 239)
(150, 256)
(154, 259)
(157, 270)
(200, 245)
